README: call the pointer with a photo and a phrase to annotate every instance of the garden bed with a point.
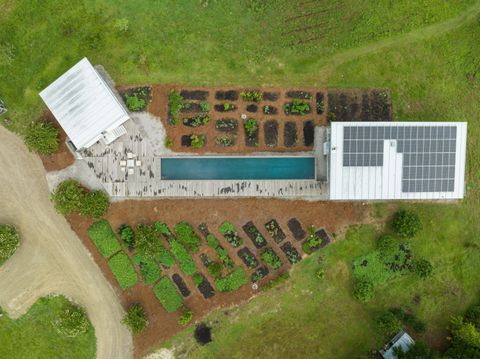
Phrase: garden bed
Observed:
(273, 228)
(270, 130)
(308, 133)
(248, 258)
(167, 295)
(251, 133)
(256, 237)
(137, 98)
(291, 253)
(192, 107)
(259, 274)
(270, 96)
(206, 288)
(269, 110)
(252, 108)
(181, 285)
(296, 228)
(230, 233)
(229, 95)
(290, 137)
(123, 270)
(304, 95)
(199, 95)
(229, 125)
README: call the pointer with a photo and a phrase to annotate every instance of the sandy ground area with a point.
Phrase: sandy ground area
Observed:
(51, 258)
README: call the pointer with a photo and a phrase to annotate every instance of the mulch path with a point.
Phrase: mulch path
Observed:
(334, 216)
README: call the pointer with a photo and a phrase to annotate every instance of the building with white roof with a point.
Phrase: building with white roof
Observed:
(85, 106)
(397, 160)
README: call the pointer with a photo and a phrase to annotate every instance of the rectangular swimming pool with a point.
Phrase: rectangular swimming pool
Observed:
(238, 168)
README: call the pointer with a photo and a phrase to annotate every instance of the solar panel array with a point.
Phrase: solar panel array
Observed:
(428, 153)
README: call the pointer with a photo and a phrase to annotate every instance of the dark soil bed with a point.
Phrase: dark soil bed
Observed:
(251, 139)
(359, 106)
(206, 288)
(290, 134)
(230, 95)
(186, 141)
(248, 258)
(194, 95)
(291, 253)
(270, 96)
(270, 130)
(376, 106)
(323, 235)
(320, 104)
(203, 229)
(221, 108)
(296, 228)
(299, 94)
(273, 228)
(206, 260)
(196, 121)
(191, 107)
(252, 108)
(227, 125)
(181, 285)
(259, 273)
(308, 133)
(269, 110)
(202, 334)
(256, 237)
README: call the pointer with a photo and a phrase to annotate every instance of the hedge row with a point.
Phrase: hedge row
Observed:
(168, 295)
(123, 270)
(232, 281)
(103, 237)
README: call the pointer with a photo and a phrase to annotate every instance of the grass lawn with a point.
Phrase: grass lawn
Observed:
(33, 334)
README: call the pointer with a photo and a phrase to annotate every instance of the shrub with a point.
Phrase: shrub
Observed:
(103, 237)
(232, 281)
(94, 204)
(72, 321)
(386, 244)
(312, 240)
(135, 318)
(168, 142)
(123, 270)
(271, 258)
(148, 242)
(205, 106)
(197, 141)
(387, 323)
(162, 228)
(148, 268)
(175, 105)
(418, 350)
(186, 235)
(134, 102)
(228, 230)
(251, 126)
(254, 96)
(465, 332)
(197, 279)
(224, 257)
(42, 138)
(215, 269)
(9, 241)
(297, 107)
(320, 273)
(68, 197)
(473, 316)
(167, 295)
(423, 268)
(187, 265)
(212, 241)
(127, 235)
(186, 317)
(165, 258)
(406, 224)
(363, 290)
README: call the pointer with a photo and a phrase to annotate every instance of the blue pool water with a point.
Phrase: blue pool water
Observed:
(238, 168)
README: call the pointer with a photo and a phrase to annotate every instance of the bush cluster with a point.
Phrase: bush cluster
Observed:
(135, 318)
(127, 235)
(406, 224)
(423, 268)
(186, 235)
(42, 138)
(72, 321)
(9, 241)
(232, 281)
(168, 296)
(387, 323)
(186, 317)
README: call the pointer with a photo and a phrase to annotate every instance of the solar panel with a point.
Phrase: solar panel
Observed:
(428, 153)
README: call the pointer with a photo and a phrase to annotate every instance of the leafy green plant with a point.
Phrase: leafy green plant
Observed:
(197, 141)
(42, 138)
(212, 241)
(224, 257)
(175, 104)
(186, 317)
(423, 268)
(148, 268)
(187, 236)
(168, 296)
(297, 107)
(127, 235)
(215, 269)
(267, 109)
(224, 141)
(123, 270)
(197, 279)
(135, 318)
(197, 121)
(95, 204)
(232, 281)
(134, 102)
(168, 142)
(363, 290)
(228, 230)
(162, 228)
(271, 258)
(406, 224)
(205, 106)
(312, 240)
(331, 116)
(9, 241)
(320, 273)
(103, 237)
(68, 197)
(148, 243)
(187, 265)
(252, 95)
(228, 106)
(165, 258)
(251, 126)
(72, 321)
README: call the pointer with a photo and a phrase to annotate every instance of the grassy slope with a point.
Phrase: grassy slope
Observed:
(33, 335)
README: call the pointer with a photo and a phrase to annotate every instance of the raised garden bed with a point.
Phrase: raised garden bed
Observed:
(193, 141)
(290, 138)
(148, 268)
(230, 233)
(299, 94)
(296, 228)
(291, 253)
(376, 106)
(308, 133)
(269, 110)
(255, 236)
(224, 141)
(167, 295)
(273, 228)
(270, 258)
(123, 270)
(259, 273)
(205, 287)
(191, 107)
(137, 99)
(270, 130)
(187, 236)
(181, 285)
(359, 106)
(199, 95)
(297, 107)
(270, 96)
(206, 260)
(248, 258)
(316, 240)
(232, 281)
(230, 95)
(251, 132)
(252, 108)
(203, 228)
(229, 125)
(196, 121)
(103, 237)
(319, 103)
(221, 252)
(225, 107)
(187, 265)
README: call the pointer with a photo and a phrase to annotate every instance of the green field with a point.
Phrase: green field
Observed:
(33, 335)
(425, 51)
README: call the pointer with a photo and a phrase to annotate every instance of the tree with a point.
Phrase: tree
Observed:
(135, 318)
(68, 197)
(41, 137)
(422, 268)
(9, 241)
(473, 316)
(363, 290)
(465, 332)
(72, 321)
(95, 204)
(387, 323)
(406, 223)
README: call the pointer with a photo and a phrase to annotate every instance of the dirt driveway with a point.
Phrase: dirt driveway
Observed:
(51, 259)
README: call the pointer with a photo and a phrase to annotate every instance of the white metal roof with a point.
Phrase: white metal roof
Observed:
(402, 340)
(397, 160)
(83, 104)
